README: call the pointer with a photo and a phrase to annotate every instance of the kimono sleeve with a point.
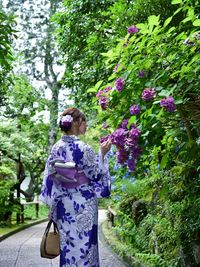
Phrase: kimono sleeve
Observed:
(88, 161)
(95, 168)
(102, 187)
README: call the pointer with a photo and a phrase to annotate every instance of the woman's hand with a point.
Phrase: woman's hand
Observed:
(105, 147)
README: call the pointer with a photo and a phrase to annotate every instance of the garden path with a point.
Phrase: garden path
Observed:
(22, 249)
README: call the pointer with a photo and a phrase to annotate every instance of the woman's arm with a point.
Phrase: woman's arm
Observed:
(94, 165)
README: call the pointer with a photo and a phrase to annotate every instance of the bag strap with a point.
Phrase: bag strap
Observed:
(49, 226)
(55, 228)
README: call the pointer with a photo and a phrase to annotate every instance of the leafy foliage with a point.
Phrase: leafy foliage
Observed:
(7, 33)
(162, 55)
(82, 33)
(23, 136)
(7, 181)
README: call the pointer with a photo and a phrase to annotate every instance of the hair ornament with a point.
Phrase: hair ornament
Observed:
(66, 120)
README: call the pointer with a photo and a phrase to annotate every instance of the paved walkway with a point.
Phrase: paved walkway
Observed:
(22, 249)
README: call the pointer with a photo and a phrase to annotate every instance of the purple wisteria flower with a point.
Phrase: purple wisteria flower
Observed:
(130, 143)
(119, 137)
(124, 123)
(133, 29)
(107, 89)
(122, 156)
(134, 134)
(119, 84)
(141, 73)
(126, 142)
(100, 94)
(66, 120)
(168, 104)
(135, 109)
(148, 94)
(133, 125)
(103, 101)
(136, 151)
(131, 164)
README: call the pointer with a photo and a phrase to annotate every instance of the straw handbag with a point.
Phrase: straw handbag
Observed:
(50, 244)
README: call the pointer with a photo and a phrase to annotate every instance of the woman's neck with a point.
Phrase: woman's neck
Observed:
(70, 133)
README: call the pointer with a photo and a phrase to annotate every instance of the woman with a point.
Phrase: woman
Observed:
(73, 204)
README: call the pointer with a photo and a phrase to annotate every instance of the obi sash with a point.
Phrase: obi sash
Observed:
(74, 176)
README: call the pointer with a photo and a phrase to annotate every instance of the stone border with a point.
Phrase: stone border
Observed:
(113, 242)
(20, 228)
(104, 240)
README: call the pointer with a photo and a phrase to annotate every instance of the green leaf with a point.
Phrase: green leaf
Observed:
(141, 26)
(132, 120)
(160, 114)
(171, 30)
(196, 22)
(153, 20)
(167, 21)
(186, 20)
(113, 76)
(109, 54)
(146, 134)
(178, 101)
(177, 11)
(98, 84)
(92, 90)
(156, 102)
(95, 88)
(164, 161)
(164, 93)
(175, 2)
(95, 107)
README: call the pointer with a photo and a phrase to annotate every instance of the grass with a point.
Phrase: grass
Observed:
(30, 212)
(119, 247)
(29, 217)
(5, 229)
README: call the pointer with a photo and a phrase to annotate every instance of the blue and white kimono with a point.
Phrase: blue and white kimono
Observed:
(76, 210)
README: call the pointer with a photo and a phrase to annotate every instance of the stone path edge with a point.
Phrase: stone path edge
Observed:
(105, 240)
(129, 261)
(20, 228)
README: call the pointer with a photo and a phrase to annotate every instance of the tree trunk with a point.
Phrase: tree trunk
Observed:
(52, 135)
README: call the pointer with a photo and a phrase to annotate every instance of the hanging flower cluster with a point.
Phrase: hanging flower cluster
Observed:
(135, 110)
(119, 84)
(168, 104)
(133, 29)
(148, 94)
(126, 142)
(103, 97)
